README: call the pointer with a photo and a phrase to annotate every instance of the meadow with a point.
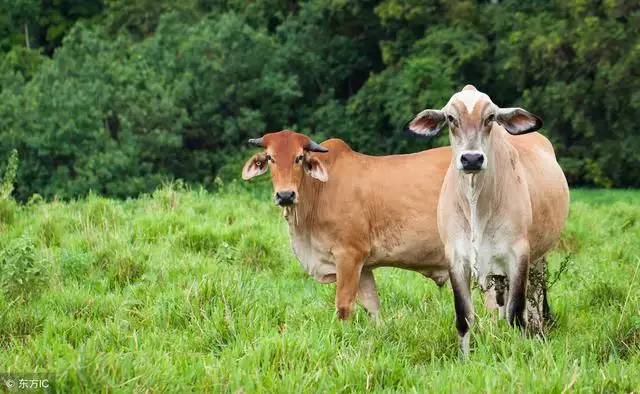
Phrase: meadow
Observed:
(185, 290)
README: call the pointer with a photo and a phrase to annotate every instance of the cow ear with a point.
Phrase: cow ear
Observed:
(256, 165)
(427, 123)
(314, 167)
(518, 121)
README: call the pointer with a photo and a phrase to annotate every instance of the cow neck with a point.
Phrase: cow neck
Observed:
(481, 193)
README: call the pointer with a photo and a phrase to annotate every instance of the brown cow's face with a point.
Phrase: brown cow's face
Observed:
(288, 157)
(470, 115)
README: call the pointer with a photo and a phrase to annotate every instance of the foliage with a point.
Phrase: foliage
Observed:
(21, 273)
(117, 96)
(183, 291)
(6, 188)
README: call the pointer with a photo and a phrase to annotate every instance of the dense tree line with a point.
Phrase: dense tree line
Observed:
(115, 96)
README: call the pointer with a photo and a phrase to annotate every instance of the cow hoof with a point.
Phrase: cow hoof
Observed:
(343, 313)
(375, 316)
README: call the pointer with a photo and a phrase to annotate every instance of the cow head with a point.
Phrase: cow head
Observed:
(470, 115)
(288, 156)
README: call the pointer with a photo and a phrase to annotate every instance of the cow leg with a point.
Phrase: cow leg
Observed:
(501, 295)
(460, 276)
(348, 270)
(369, 294)
(518, 278)
(494, 297)
(490, 301)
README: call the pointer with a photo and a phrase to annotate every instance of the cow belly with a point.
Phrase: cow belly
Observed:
(418, 256)
(429, 261)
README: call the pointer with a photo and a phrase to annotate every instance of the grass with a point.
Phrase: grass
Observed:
(189, 291)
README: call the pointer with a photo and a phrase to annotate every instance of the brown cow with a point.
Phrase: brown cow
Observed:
(503, 203)
(349, 213)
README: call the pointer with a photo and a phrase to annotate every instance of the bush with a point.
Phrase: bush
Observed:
(22, 274)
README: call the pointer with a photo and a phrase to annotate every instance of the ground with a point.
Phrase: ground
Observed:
(188, 290)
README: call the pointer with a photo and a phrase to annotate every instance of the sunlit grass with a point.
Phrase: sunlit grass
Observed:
(188, 291)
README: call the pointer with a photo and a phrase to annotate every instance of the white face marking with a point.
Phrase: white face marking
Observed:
(469, 98)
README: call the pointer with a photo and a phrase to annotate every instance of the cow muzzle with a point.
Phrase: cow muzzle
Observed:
(285, 198)
(472, 161)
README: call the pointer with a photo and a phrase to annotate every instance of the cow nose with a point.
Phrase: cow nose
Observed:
(472, 161)
(285, 197)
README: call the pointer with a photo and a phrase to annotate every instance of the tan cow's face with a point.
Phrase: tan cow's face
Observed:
(288, 157)
(470, 115)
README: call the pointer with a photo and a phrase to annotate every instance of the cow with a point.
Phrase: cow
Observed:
(503, 204)
(349, 213)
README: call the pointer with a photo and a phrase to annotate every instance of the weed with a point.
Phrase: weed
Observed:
(9, 178)
(22, 274)
(8, 210)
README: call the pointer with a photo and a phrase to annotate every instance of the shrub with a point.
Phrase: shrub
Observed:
(22, 273)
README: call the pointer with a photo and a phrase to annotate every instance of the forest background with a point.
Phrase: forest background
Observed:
(117, 96)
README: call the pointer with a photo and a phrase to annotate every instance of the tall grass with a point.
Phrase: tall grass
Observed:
(183, 290)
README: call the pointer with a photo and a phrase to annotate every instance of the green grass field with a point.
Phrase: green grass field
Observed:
(191, 291)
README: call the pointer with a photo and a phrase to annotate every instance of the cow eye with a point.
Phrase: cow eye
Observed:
(489, 119)
(452, 120)
(268, 158)
(299, 159)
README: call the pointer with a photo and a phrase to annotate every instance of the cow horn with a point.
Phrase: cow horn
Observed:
(314, 147)
(256, 142)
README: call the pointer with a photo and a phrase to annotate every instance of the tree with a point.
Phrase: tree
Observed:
(17, 16)
(117, 96)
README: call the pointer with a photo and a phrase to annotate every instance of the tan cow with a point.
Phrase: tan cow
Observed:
(349, 213)
(503, 203)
